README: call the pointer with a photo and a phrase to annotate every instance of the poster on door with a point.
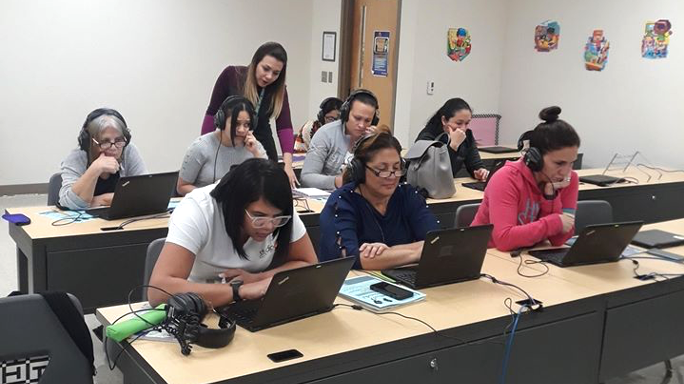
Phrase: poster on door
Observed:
(656, 39)
(380, 53)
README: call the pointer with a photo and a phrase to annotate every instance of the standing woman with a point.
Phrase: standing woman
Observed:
(263, 84)
(453, 119)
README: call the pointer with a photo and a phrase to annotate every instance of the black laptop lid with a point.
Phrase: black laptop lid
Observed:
(601, 243)
(498, 149)
(452, 255)
(655, 238)
(498, 164)
(302, 292)
(142, 195)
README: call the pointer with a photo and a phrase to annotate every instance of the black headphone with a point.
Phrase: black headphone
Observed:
(321, 112)
(356, 167)
(229, 102)
(84, 135)
(184, 315)
(346, 106)
(533, 158)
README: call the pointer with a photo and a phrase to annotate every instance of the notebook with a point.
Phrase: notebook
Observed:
(449, 256)
(600, 243)
(481, 185)
(292, 295)
(139, 195)
(655, 238)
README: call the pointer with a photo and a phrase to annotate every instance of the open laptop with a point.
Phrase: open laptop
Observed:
(139, 195)
(601, 243)
(497, 149)
(292, 295)
(481, 185)
(449, 256)
(655, 238)
(601, 180)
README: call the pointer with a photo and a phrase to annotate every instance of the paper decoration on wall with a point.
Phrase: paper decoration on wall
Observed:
(656, 39)
(458, 44)
(546, 36)
(596, 51)
(381, 40)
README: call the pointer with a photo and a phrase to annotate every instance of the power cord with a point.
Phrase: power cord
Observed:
(509, 343)
(531, 302)
(68, 220)
(531, 262)
(121, 226)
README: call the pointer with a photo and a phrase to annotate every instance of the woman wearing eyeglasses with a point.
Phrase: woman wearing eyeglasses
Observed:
(105, 153)
(223, 238)
(372, 217)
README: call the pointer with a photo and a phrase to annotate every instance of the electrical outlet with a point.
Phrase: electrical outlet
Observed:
(430, 87)
(329, 77)
(324, 77)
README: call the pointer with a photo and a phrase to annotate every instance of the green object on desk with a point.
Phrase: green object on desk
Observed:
(121, 331)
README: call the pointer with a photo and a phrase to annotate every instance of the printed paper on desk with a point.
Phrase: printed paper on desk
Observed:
(312, 193)
(357, 289)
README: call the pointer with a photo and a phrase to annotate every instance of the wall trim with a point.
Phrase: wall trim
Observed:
(23, 189)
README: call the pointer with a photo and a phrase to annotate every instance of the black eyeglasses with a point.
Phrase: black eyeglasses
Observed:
(386, 174)
(118, 143)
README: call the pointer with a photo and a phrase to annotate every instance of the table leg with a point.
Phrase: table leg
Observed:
(22, 271)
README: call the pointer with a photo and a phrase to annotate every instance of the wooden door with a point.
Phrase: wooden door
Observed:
(373, 56)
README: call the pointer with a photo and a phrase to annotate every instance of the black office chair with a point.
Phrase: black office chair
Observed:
(54, 185)
(465, 215)
(592, 212)
(36, 347)
(153, 251)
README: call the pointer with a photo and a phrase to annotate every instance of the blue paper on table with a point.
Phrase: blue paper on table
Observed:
(76, 216)
(357, 289)
(629, 251)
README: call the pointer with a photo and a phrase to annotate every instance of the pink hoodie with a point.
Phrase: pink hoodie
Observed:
(521, 215)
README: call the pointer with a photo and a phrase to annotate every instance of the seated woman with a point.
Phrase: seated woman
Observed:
(329, 112)
(105, 153)
(330, 149)
(535, 198)
(453, 119)
(372, 217)
(233, 231)
(216, 152)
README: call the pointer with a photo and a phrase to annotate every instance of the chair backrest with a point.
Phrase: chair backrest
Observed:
(592, 212)
(485, 128)
(465, 215)
(31, 330)
(54, 185)
(153, 251)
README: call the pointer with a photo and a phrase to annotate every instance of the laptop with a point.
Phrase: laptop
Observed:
(600, 243)
(601, 180)
(481, 185)
(292, 295)
(497, 149)
(655, 238)
(449, 256)
(139, 195)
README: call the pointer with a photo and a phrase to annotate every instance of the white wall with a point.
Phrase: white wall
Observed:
(155, 61)
(633, 104)
(326, 17)
(422, 57)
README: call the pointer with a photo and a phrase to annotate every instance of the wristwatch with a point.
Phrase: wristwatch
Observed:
(235, 284)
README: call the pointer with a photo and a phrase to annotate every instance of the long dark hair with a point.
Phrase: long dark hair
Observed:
(553, 133)
(448, 110)
(231, 107)
(247, 183)
(250, 86)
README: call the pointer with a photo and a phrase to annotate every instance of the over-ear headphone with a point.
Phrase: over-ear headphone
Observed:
(229, 102)
(534, 160)
(321, 113)
(84, 135)
(356, 167)
(185, 312)
(346, 106)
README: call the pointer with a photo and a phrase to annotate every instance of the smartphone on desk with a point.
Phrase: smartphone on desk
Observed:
(391, 290)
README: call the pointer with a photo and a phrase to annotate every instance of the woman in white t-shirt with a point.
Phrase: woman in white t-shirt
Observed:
(232, 232)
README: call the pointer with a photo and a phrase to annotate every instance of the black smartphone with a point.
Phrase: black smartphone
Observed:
(392, 291)
(290, 354)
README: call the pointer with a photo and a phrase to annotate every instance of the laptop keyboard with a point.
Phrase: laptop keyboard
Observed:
(242, 314)
(407, 276)
(555, 255)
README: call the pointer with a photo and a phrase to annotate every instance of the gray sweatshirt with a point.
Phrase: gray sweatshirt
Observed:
(327, 155)
(75, 165)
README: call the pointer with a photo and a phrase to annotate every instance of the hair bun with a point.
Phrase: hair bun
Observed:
(550, 114)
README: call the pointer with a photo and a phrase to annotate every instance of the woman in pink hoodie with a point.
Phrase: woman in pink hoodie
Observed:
(535, 198)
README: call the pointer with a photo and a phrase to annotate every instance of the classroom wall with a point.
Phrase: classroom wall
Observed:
(155, 61)
(633, 104)
(422, 58)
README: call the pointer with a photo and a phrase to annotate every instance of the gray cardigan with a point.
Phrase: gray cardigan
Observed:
(75, 165)
(327, 155)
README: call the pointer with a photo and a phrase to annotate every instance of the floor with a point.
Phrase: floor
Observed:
(654, 374)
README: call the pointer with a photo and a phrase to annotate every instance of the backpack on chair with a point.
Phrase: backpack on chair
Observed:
(429, 168)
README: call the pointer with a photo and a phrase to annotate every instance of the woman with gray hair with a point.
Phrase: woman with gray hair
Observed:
(105, 153)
